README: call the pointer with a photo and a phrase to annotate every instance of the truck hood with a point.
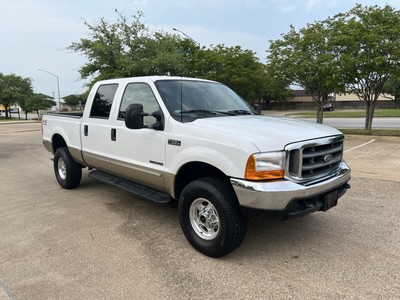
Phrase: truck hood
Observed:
(266, 133)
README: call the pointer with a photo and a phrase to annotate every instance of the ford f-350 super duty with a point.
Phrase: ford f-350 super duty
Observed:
(197, 142)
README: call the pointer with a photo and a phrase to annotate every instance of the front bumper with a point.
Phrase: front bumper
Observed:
(279, 195)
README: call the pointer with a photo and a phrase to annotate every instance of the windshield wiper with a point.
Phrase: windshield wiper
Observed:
(197, 111)
(205, 111)
(215, 112)
(239, 112)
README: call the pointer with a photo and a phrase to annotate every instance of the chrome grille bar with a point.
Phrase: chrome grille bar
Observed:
(313, 159)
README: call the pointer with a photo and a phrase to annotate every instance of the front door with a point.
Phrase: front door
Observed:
(138, 154)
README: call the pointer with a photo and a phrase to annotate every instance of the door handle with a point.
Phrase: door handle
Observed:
(113, 134)
(85, 130)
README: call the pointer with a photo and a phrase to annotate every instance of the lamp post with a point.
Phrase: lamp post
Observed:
(187, 36)
(58, 87)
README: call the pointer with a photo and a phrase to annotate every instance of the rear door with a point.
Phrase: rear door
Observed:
(96, 127)
(138, 154)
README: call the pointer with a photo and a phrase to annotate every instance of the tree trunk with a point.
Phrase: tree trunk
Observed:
(6, 111)
(370, 109)
(319, 102)
(320, 114)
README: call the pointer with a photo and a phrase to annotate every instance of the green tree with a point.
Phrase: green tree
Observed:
(276, 88)
(304, 58)
(23, 105)
(127, 48)
(367, 43)
(237, 68)
(392, 89)
(13, 89)
(74, 100)
(38, 102)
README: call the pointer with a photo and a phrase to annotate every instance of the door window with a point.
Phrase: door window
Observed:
(103, 100)
(139, 93)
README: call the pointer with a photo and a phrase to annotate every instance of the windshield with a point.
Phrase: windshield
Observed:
(188, 100)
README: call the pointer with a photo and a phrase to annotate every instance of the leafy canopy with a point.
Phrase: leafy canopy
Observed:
(38, 102)
(74, 100)
(357, 52)
(128, 48)
(303, 57)
(366, 41)
(14, 89)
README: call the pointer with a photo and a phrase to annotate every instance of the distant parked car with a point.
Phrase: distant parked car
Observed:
(328, 107)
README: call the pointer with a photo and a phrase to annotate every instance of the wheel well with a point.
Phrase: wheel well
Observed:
(58, 142)
(192, 171)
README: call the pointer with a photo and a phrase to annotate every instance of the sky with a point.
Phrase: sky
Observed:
(35, 34)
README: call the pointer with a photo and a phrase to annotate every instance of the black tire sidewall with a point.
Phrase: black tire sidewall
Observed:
(223, 200)
(73, 170)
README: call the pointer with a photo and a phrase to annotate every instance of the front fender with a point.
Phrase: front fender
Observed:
(230, 161)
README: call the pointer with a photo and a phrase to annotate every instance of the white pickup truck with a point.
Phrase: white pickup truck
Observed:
(197, 142)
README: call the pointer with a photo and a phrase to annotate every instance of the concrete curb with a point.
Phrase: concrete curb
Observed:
(19, 122)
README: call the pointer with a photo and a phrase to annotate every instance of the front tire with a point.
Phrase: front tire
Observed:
(210, 217)
(68, 173)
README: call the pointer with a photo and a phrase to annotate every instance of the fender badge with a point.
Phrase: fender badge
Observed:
(174, 142)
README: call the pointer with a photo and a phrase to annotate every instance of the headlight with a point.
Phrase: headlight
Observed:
(265, 166)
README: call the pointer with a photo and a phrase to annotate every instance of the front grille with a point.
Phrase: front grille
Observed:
(316, 158)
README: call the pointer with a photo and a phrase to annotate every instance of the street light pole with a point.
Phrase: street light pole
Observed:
(187, 36)
(58, 87)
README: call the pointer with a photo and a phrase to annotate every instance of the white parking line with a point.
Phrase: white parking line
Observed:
(359, 146)
(6, 292)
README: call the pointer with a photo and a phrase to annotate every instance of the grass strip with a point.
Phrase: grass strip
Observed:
(375, 132)
(383, 113)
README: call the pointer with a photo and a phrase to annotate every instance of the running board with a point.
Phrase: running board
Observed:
(137, 189)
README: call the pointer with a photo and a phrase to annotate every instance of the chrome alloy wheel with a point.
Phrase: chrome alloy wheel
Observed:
(62, 169)
(204, 219)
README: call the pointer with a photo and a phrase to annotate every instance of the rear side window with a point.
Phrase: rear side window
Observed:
(103, 100)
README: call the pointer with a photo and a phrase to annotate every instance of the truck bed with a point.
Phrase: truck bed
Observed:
(66, 125)
(66, 114)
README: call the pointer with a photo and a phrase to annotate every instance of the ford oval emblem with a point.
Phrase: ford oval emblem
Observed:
(328, 158)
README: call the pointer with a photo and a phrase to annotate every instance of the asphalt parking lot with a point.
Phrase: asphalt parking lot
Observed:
(100, 242)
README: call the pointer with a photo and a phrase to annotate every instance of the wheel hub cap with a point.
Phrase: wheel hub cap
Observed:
(204, 219)
(62, 169)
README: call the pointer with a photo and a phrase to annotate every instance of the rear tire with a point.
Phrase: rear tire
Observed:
(210, 217)
(68, 173)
